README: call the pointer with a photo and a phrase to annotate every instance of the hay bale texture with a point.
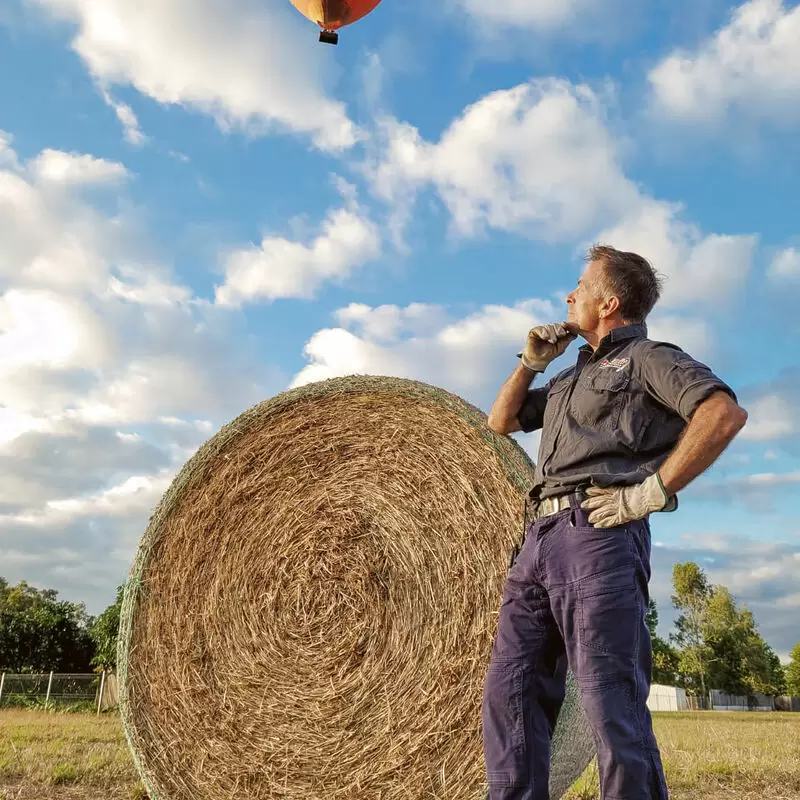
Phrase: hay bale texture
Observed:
(311, 609)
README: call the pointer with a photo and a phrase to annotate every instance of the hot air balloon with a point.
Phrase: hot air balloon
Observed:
(331, 15)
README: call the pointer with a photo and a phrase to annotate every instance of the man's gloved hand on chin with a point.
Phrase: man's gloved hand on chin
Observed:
(616, 505)
(546, 342)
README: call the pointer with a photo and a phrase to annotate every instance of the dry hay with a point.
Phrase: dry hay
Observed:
(312, 607)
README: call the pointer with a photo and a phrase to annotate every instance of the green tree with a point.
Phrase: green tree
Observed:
(692, 593)
(665, 657)
(793, 672)
(104, 634)
(777, 672)
(741, 662)
(39, 633)
(726, 650)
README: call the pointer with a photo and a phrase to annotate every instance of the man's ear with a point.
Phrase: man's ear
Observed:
(610, 305)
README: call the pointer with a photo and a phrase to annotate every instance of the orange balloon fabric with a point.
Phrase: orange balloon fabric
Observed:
(334, 14)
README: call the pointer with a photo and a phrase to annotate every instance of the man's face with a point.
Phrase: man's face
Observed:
(584, 301)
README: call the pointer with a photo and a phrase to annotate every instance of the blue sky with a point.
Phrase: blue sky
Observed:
(201, 206)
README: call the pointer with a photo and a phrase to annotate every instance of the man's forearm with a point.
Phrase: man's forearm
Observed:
(509, 400)
(712, 428)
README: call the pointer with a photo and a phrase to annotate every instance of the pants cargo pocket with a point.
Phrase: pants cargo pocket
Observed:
(504, 738)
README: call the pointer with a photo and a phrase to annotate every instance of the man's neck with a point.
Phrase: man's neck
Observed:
(593, 338)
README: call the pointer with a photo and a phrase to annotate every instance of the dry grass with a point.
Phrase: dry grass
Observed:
(65, 756)
(716, 755)
(708, 756)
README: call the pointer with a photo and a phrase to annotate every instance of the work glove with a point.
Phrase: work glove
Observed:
(616, 505)
(546, 342)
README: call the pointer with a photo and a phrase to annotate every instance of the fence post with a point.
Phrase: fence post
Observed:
(100, 698)
(2, 682)
(49, 686)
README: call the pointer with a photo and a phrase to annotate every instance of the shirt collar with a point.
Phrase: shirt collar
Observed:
(620, 334)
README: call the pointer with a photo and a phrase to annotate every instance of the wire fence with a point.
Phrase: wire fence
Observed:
(99, 691)
(52, 690)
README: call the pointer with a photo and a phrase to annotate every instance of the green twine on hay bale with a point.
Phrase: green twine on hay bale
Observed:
(311, 609)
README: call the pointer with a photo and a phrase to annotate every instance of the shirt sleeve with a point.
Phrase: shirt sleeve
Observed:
(679, 381)
(531, 414)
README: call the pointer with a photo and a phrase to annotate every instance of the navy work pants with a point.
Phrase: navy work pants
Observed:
(575, 595)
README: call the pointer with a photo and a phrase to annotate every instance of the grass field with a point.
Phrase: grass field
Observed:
(708, 756)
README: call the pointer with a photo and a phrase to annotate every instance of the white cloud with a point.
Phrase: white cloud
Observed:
(470, 355)
(163, 385)
(149, 290)
(763, 575)
(467, 356)
(8, 158)
(44, 328)
(49, 237)
(389, 322)
(536, 159)
(786, 264)
(111, 374)
(70, 462)
(250, 65)
(760, 479)
(756, 492)
(279, 267)
(127, 118)
(528, 13)
(138, 493)
(698, 266)
(55, 166)
(693, 335)
(14, 423)
(751, 65)
(770, 417)
(540, 160)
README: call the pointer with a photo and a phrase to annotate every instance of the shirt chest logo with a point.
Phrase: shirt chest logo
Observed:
(617, 364)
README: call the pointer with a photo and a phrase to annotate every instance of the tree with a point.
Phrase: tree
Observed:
(39, 633)
(737, 660)
(777, 672)
(793, 672)
(104, 634)
(665, 658)
(692, 593)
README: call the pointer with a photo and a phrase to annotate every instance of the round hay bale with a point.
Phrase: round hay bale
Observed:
(312, 607)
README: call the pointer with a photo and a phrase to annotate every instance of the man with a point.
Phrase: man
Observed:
(623, 431)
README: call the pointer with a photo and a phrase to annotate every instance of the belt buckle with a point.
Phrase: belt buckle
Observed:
(560, 503)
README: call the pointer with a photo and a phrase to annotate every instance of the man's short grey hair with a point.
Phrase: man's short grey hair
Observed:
(631, 278)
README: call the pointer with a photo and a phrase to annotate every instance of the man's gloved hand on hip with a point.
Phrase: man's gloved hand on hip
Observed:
(546, 342)
(616, 505)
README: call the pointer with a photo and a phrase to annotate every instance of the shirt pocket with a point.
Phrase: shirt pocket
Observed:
(556, 399)
(554, 413)
(598, 402)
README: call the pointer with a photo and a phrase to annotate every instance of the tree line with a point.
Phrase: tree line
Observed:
(714, 644)
(40, 633)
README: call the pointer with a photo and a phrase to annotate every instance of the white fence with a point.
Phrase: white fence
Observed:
(667, 698)
(53, 689)
(672, 698)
